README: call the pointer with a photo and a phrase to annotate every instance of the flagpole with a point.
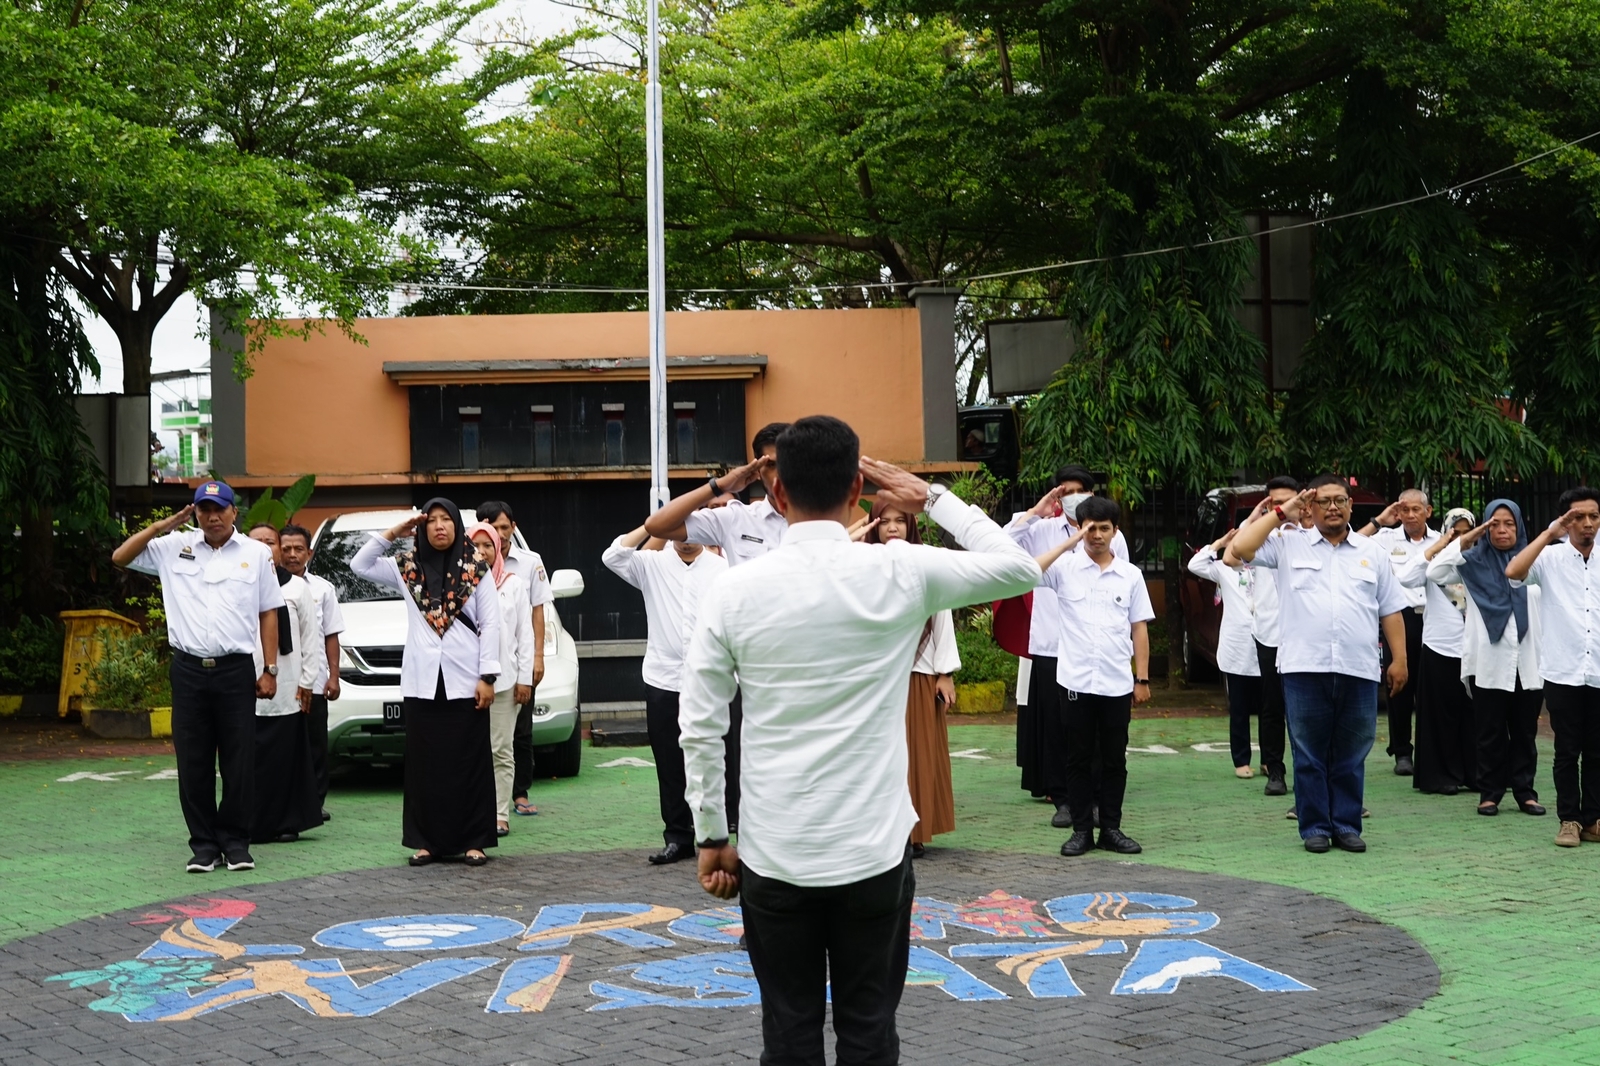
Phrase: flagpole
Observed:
(659, 493)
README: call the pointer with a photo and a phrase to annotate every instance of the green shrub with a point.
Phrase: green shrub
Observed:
(30, 655)
(983, 660)
(131, 674)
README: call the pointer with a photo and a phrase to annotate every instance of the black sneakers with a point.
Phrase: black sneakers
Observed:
(1078, 843)
(1062, 819)
(1276, 785)
(197, 865)
(1118, 841)
(241, 860)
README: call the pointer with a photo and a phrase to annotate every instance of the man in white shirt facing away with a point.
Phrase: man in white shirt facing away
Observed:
(673, 583)
(529, 567)
(1041, 737)
(1402, 530)
(1272, 728)
(821, 633)
(1561, 562)
(294, 544)
(1336, 590)
(221, 596)
(1102, 611)
(744, 531)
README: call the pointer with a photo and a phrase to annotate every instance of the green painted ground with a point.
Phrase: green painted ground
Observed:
(1509, 917)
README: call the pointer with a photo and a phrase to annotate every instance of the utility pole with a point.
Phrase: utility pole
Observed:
(659, 492)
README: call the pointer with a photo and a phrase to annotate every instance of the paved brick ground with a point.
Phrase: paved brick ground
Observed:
(1507, 916)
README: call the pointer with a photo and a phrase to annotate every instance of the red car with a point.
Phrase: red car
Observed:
(1221, 510)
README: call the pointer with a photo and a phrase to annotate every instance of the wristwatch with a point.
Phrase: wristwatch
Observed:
(272, 670)
(716, 489)
(720, 842)
(489, 679)
(1141, 681)
(935, 490)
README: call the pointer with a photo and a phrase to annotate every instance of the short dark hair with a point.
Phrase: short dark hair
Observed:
(767, 436)
(1099, 509)
(1282, 481)
(1080, 474)
(489, 510)
(818, 458)
(263, 525)
(292, 530)
(1576, 495)
(1328, 479)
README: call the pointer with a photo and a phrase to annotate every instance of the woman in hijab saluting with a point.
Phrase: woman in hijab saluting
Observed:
(448, 674)
(1499, 655)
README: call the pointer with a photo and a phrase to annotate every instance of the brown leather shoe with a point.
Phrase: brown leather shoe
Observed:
(1590, 833)
(1571, 835)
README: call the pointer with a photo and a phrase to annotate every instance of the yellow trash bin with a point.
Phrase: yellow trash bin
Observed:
(83, 648)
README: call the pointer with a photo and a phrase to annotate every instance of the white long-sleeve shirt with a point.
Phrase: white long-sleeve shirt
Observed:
(1443, 624)
(461, 655)
(672, 592)
(330, 621)
(1492, 664)
(1236, 644)
(516, 634)
(297, 668)
(821, 633)
(1037, 536)
(1402, 552)
(939, 655)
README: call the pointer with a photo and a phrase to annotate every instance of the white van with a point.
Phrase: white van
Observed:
(364, 722)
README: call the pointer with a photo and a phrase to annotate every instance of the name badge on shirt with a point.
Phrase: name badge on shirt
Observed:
(751, 539)
(186, 553)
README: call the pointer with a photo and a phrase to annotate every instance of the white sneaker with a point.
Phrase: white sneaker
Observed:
(199, 866)
(242, 861)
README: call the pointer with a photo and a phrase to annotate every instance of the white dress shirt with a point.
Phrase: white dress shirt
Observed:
(1569, 620)
(1443, 624)
(1330, 600)
(1401, 550)
(744, 531)
(297, 668)
(330, 620)
(822, 633)
(1037, 536)
(516, 633)
(1096, 610)
(461, 655)
(938, 655)
(672, 591)
(1264, 610)
(1492, 664)
(213, 597)
(530, 567)
(1236, 644)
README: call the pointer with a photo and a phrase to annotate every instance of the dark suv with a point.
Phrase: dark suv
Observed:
(1221, 510)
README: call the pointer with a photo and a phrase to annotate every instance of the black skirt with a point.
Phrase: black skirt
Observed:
(1036, 723)
(1447, 738)
(449, 777)
(286, 799)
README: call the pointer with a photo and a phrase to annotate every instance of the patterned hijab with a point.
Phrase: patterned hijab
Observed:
(440, 582)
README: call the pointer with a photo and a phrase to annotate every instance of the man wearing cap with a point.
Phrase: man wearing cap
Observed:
(221, 597)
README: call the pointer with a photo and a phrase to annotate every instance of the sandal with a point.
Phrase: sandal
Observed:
(501, 829)
(480, 859)
(524, 807)
(421, 858)
(1488, 810)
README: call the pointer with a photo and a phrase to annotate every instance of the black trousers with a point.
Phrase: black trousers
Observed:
(1244, 702)
(1273, 729)
(214, 730)
(856, 937)
(1403, 704)
(317, 728)
(1575, 718)
(522, 751)
(1097, 756)
(1447, 731)
(1508, 748)
(661, 719)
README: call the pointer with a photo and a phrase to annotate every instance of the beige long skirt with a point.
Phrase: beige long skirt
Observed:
(928, 743)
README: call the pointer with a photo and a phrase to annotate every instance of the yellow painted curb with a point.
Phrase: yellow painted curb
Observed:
(981, 697)
(161, 721)
(10, 705)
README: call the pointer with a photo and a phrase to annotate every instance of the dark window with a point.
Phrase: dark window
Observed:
(616, 434)
(332, 562)
(683, 439)
(544, 435)
(469, 437)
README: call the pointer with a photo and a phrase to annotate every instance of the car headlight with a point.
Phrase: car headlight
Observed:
(345, 661)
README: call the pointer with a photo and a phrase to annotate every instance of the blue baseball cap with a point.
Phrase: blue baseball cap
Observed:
(216, 492)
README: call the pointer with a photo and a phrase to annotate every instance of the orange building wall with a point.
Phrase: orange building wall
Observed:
(324, 406)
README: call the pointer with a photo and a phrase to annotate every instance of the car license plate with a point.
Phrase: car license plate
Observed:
(394, 714)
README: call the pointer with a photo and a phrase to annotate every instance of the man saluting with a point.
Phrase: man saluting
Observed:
(220, 592)
(821, 633)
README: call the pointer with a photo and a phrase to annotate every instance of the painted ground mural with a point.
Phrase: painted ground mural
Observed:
(565, 956)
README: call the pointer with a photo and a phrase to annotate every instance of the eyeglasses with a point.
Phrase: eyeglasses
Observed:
(1331, 501)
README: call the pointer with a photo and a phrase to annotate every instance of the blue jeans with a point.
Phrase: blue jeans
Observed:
(1333, 719)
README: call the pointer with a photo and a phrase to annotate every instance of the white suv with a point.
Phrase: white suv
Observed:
(363, 723)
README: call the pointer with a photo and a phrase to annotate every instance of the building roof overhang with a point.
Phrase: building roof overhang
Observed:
(509, 371)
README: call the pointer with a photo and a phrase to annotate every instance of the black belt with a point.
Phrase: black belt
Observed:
(211, 661)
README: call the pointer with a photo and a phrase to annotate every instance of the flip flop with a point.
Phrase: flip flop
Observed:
(524, 807)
